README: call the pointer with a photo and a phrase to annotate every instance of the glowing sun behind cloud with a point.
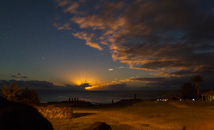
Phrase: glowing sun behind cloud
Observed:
(87, 83)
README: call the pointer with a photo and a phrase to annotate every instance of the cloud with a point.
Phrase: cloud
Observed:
(61, 2)
(161, 82)
(18, 76)
(72, 8)
(123, 67)
(62, 27)
(170, 38)
(84, 85)
(112, 86)
(69, 6)
(148, 79)
(111, 69)
(88, 38)
(146, 83)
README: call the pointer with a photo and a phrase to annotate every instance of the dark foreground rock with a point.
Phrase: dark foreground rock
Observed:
(99, 126)
(18, 116)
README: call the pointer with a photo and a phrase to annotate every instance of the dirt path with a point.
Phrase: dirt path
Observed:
(178, 105)
(140, 116)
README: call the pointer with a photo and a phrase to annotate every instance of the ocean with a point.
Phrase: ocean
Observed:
(99, 96)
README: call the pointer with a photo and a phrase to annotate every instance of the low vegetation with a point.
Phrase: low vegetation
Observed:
(11, 92)
(15, 94)
(29, 96)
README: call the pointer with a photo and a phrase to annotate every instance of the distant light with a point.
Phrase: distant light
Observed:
(164, 100)
(180, 99)
(193, 99)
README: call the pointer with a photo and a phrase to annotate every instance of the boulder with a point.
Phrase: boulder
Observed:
(18, 116)
(99, 126)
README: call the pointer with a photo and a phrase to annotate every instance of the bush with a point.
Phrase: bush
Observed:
(11, 93)
(29, 97)
(188, 91)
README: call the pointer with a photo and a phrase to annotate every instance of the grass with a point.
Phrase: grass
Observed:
(143, 116)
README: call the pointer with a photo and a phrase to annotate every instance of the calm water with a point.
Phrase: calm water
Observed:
(97, 96)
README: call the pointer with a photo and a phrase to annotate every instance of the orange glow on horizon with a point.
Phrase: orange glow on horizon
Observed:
(91, 81)
(89, 88)
(93, 86)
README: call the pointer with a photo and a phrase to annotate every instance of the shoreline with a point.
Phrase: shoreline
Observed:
(97, 97)
(81, 103)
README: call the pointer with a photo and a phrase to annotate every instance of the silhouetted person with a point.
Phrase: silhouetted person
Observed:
(18, 116)
(135, 96)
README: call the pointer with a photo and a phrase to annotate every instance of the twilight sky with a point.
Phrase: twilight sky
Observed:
(112, 44)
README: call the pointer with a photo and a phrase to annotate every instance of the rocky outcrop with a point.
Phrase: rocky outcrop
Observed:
(50, 112)
(18, 116)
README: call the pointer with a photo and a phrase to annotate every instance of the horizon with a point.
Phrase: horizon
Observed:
(108, 45)
(46, 86)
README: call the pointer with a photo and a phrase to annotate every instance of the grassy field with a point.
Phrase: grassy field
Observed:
(144, 116)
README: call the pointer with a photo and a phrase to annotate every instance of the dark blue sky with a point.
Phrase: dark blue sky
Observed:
(105, 43)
